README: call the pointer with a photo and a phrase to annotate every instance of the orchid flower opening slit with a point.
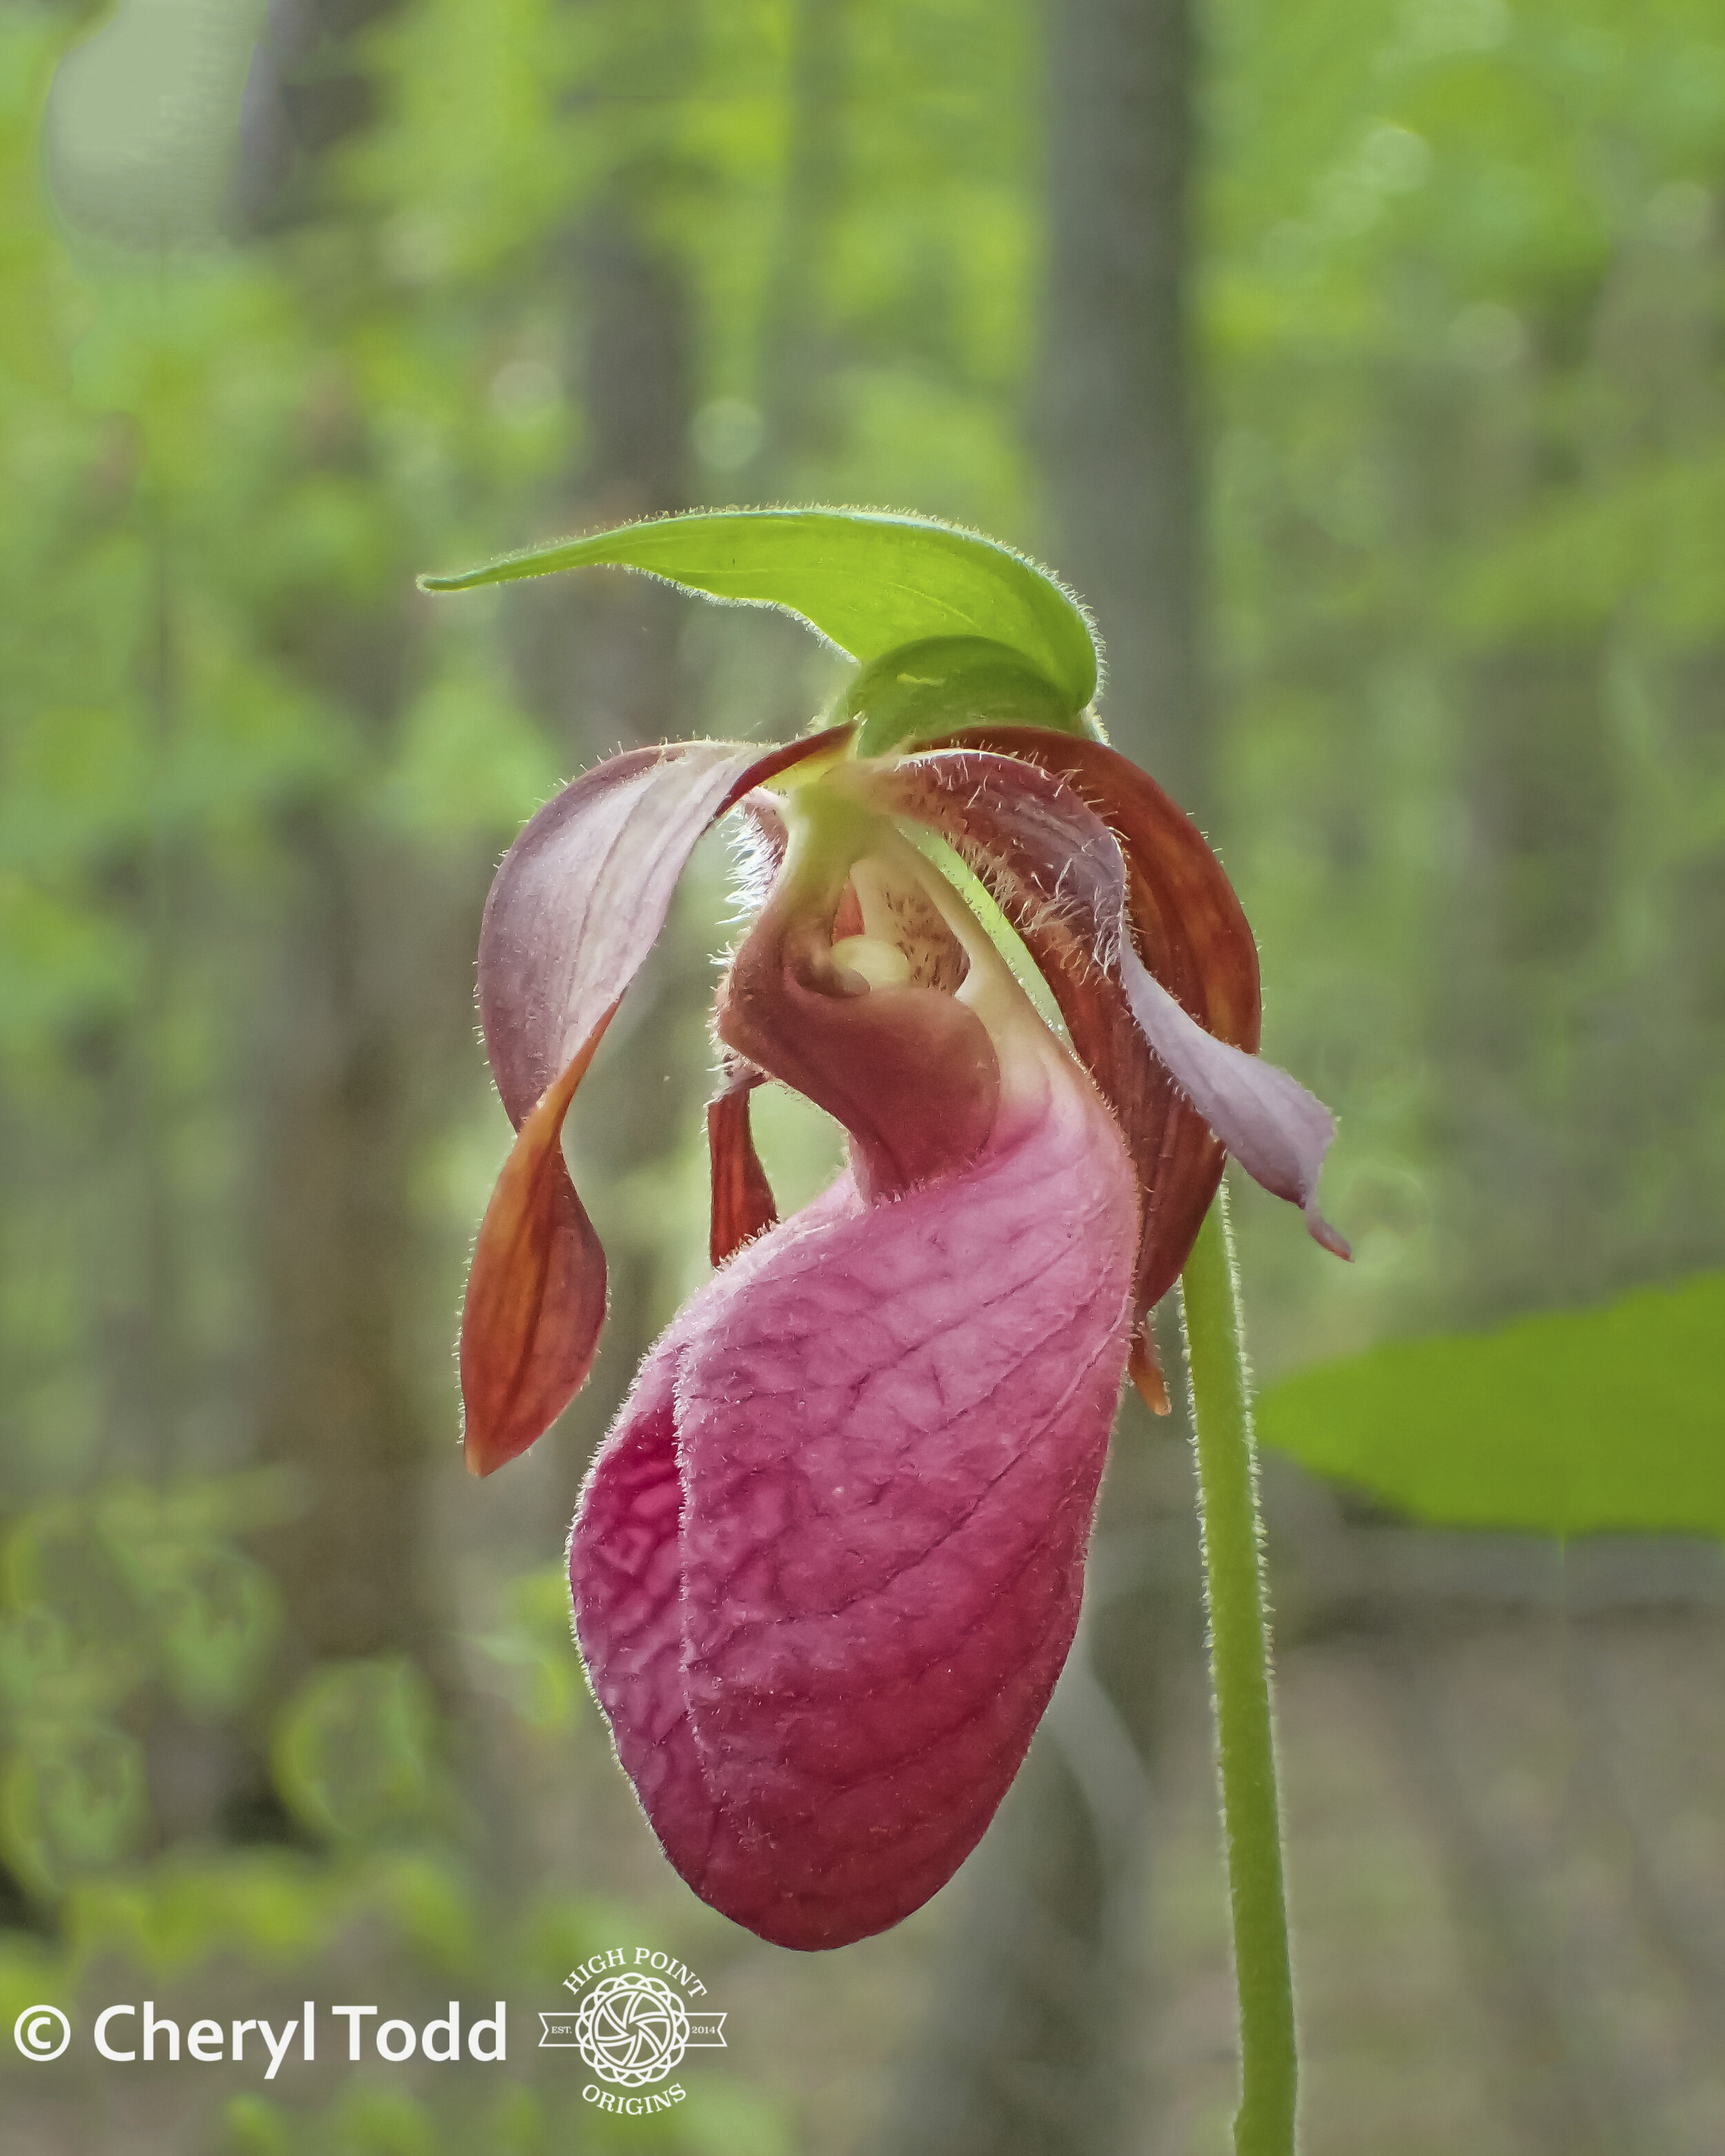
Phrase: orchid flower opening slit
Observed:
(827, 1564)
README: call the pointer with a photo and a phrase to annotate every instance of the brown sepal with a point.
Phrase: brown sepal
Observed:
(742, 1198)
(1145, 1371)
(536, 1293)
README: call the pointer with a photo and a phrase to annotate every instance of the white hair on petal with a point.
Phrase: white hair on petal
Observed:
(755, 856)
(1034, 912)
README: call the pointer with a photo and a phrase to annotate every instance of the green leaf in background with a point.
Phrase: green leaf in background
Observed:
(1574, 1422)
(256, 2127)
(72, 1797)
(867, 580)
(527, 1656)
(367, 2120)
(353, 1747)
(183, 1906)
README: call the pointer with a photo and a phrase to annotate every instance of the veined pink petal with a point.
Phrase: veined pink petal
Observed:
(827, 1567)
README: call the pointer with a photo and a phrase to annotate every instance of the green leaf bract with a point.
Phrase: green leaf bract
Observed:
(868, 581)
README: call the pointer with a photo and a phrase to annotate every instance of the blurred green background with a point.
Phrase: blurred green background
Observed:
(1363, 366)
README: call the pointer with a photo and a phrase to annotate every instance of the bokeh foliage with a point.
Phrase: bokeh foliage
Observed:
(1462, 276)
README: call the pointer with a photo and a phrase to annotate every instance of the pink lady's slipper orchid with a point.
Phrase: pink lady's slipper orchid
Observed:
(828, 1563)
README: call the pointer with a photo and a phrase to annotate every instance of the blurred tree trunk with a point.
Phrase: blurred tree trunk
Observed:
(1509, 1006)
(1518, 993)
(1695, 690)
(797, 351)
(351, 1035)
(1116, 420)
(599, 655)
(307, 89)
(360, 1045)
(360, 1052)
(1035, 2039)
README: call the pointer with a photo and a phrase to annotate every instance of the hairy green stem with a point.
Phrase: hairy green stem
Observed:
(1240, 1677)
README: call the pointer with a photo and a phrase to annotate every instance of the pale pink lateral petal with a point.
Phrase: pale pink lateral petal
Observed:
(1186, 923)
(574, 909)
(1057, 871)
(1060, 871)
(582, 895)
(1277, 1131)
